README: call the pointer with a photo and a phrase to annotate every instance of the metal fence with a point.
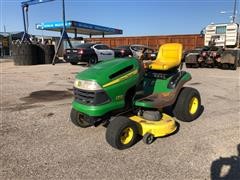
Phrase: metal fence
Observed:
(189, 41)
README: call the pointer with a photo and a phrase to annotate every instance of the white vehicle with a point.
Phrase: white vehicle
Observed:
(88, 52)
(103, 52)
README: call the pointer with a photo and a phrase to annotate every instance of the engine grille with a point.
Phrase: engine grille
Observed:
(90, 97)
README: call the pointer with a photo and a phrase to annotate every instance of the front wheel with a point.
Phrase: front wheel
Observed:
(78, 119)
(122, 133)
(188, 65)
(188, 105)
(73, 63)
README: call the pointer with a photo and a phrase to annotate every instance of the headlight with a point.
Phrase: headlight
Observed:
(86, 85)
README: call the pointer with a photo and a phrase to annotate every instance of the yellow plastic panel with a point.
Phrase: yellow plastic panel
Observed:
(165, 126)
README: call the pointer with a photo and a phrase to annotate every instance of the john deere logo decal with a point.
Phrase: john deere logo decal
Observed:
(121, 78)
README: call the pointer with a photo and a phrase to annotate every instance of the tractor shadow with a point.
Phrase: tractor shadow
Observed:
(219, 166)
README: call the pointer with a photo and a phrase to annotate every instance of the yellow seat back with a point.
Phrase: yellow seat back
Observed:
(169, 56)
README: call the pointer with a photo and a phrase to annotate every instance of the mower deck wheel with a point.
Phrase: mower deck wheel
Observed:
(148, 138)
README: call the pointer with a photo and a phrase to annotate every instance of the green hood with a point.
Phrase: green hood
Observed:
(101, 72)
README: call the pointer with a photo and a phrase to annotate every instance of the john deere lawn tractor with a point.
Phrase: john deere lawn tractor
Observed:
(131, 100)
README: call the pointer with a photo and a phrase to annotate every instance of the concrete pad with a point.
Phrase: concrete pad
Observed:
(39, 142)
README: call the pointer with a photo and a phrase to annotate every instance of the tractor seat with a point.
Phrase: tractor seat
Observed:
(169, 56)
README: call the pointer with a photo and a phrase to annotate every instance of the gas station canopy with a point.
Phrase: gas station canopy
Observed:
(79, 28)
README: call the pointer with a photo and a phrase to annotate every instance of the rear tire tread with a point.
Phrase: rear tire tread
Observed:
(181, 107)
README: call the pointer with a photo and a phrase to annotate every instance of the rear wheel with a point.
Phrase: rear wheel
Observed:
(225, 66)
(188, 105)
(202, 64)
(93, 60)
(122, 133)
(196, 65)
(78, 119)
(233, 66)
(211, 65)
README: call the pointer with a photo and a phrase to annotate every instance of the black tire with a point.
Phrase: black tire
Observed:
(116, 131)
(188, 65)
(202, 64)
(211, 66)
(25, 54)
(225, 66)
(40, 54)
(93, 60)
(233, 66)
(148, 138)
(196, 65)
(78, 120)
(219, 65)
(49, 53)
(73, 63)
(182, 110)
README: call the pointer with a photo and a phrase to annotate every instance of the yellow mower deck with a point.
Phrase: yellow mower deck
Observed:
(165, 126)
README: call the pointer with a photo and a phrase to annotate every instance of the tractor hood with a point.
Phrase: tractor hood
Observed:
(101, 73)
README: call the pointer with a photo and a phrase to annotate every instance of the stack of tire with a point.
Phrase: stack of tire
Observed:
(32, 54)
(49, 52)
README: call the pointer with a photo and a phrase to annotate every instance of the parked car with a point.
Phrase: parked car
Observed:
(136, 50)
(88, 52)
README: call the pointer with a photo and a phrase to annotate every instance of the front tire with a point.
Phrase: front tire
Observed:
(122, 133)
(78, 120)
(188, 105)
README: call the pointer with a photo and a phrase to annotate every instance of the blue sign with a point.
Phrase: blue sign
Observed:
(53, 25)
(84, 27)
(32, 2)
(96, 27)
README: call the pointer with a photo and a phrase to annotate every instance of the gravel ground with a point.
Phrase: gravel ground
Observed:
(37, 140)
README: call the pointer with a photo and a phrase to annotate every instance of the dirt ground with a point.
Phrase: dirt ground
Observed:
(37, 140)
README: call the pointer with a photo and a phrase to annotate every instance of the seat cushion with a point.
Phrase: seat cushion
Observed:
(169, 56)
(162, 66)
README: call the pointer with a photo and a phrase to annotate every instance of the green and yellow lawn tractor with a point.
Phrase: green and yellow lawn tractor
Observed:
(131, 100)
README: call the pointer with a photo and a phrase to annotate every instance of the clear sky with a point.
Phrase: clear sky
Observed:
(135, 17)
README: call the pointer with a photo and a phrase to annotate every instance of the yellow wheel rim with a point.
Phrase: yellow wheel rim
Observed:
(193, 105)
(126, 135)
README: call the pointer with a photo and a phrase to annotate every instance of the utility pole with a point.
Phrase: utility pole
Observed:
(64, 35)
(234, 11)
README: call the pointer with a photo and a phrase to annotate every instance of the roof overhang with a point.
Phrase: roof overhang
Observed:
(79, 28)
